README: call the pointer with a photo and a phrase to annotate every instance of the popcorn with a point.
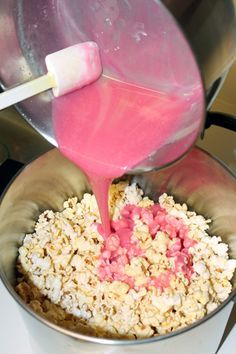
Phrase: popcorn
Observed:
(53, 285)
(211, 306)
(229, 268)
(200, 268)
(165, 302)
(173, 275)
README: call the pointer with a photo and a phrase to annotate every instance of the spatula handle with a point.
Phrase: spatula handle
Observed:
(26, 90)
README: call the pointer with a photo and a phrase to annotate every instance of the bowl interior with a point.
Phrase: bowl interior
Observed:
(198, 180)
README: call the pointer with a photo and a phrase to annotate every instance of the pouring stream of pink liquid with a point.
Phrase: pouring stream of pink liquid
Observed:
(109, 127)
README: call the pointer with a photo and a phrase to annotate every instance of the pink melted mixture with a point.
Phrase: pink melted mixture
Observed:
(120, 248)
(106, 129)
(109, 127)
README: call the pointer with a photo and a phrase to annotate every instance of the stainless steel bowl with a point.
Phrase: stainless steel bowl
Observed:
(198, 179)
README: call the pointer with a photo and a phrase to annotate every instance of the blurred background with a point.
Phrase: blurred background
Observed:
(222, 142)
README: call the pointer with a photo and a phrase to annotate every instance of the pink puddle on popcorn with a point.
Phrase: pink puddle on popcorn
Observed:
(119, 248)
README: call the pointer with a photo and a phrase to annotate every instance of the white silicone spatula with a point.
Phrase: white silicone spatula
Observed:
(68, 69)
